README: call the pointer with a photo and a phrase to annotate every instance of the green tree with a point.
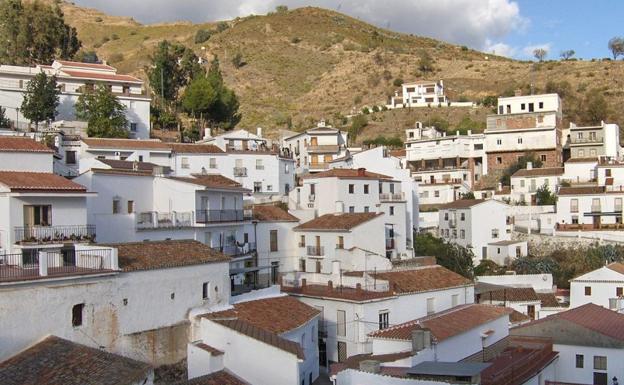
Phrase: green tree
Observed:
(238, 61)
(453, 257)
(202, 35)
(567, 54)
(104, 114)
(595, 107)
(281, 9)
(468, 195)
(544, 197)
(173, 66)
(357, 125)
(616, 46)
(425, 63)
(520, 164)
(41, 99)
(34, 32)
(199, 97)
(540, 53)
(224, 111)
(86, 57)
(4, 120)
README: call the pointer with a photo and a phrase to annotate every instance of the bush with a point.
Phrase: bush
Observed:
(375, 109)
(454, 257)
(86, 57)
(464, 48)
(281, 9)
(398, 82)
(238, 61)
(357, 100)
(105, 39)
(365, 111)
(387, 75)
(462, 99)
(489, 101)
(295, 40)
(520, 164)
(222, 26)
(115, 36)
(357, 125)
(437, 122)
(98, 19)
(425, 63)
(202, 35)
(132, 33)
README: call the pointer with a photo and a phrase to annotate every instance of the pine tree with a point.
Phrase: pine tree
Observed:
(104, 114)
(41, 99)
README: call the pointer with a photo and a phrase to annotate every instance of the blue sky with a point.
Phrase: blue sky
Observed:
(508, 27)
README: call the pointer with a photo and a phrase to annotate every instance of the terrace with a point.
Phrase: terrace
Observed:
(54, 234)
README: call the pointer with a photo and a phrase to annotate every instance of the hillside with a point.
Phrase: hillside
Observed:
(312, 63)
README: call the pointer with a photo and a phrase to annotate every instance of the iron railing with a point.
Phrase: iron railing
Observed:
(240, 171)
(237, 249)
(232, 215)
(315, 251)
(55, 234)
(391, 197)
(159, 220)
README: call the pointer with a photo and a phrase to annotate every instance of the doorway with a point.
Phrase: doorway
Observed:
(600, 379)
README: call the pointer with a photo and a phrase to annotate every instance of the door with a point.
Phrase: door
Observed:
(342, 352)
(600, 379)
(322, 346)
(596, 221)
(484, 252)
(313, 141)
(318, 245)
(531, 311)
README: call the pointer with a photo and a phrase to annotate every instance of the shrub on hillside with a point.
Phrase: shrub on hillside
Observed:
(202, 35)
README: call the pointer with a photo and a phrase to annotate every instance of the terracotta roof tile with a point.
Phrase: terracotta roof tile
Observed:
(272, 213)
(190, 148)
(341, 221)
(221, 377)
(583, 190)
(56, 361)
(549, 171)
(445, 324)
(511, 294)
(548, 300)
(85, 65)
(210, 349)
(217, 181)
(17, 144)
(398, 153)
(516, 317)
(101, 76)
(347, 173)
(582, 160)
(353, 362)
(276, 315)
(131, 144)
(426, 278)
(462, 204)
(617, 267)
(346, 293)
(18, 181)
(150, 255)
(127, 165)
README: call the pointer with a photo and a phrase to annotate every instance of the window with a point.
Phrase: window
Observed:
(619, 291)
(351, 189)
(436, 193)
(499, 142)
(351, 209)
(541, 105)
(133, 127)
(499, 160)
(543, 157)
(116, 206)
(302, 265)
(130, 207)
(273, 240)
(391, 210)
(607, 172)
(365, 189)
(587, 290)
(366, 209)
(383, 319)
(205, 290)
(340, 244)
(494, 233)
(531, 107)
(462, 234)
(39, 215)
(478, 146)
(341, 323)
(302, 241)
(286, 168)
(446, 216)
(600, 363)
(575, 219)
(522, 182)
(184, 163)
(212, 162)
(581, 153)
(580, 361)
(430, 306)
(519, 140)
(70, 157)
(259, 165)
(574, 205)
(522, 106)
(257, 186)
(455, 299)
(269, 187)
(140, 158)
(77, 314)
(462, 216)
(618, 204)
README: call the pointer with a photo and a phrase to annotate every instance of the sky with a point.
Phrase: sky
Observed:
(512, 28)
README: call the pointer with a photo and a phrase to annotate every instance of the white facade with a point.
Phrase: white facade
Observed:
(526, 182)
(529, 103)
(26, 161)
(601, 287)
(420, 93)
(577, 171)
(73, 77)
(314, 149)
(579, 209)
(474, 224)
(539, 282)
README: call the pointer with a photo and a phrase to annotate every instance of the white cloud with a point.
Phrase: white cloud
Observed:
(529, 49)
(469, 22)
(500, 49)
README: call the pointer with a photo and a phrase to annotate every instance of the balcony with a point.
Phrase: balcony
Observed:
(589, 140)
(213, 216)
(235, 250)
(240, 171)
(57, 263)
(391, 197)
(158, 220)
(390, 244)
(54, 234)
(315, 251)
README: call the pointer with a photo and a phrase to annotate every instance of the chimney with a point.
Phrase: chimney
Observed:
(304, 282)
(361, 171)
(259, 132)
(518, 92)
(207, 133)
(529, 166)
(469, 132)
(321, 123)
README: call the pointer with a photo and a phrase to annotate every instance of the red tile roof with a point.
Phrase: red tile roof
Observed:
(85, 65)
(445, 324)
(210, 349)
(272, 213)
(190, 148)
(353, 362)
(398, 153)
(617, 267)
(216, 181)
(131, 144)
(150, 255)
(127, 165)
(347, 173)
(462, 204)
(582, 160)
(20, 181)
(340, 221)
(276, 315)
(16, 144)
(344, 293)
(548, 300)
(426, 278)
(55, 361)
(101, 76)
(511, 294)
(584, 190)
(547, 171)
(222, 377)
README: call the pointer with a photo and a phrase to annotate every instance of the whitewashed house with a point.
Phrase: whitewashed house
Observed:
(594, 141)
(603, 287)
(339, 190)
(131, 299)
(239, 140)
(268, 341)
(580, 170)
(352, 304)
(588, 208)
(25, 154)
(74, 79)
(589, 340)
(419, 94)
(315, 148)
(526, 182)
(476, 224)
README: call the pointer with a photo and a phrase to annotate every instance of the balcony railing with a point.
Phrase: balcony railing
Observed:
(159, 220)
(240, 171)
(390, 244)
(237, 250)
(585, 140)
(17, 267)
(210, 216)
(315, 251)
(55, 234)
(391, 197)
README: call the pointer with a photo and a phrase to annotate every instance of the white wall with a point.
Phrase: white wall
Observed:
(26, 161)
(539, 282)
(568, 372)
(603, 283)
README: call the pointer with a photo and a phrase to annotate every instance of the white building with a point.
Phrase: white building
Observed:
(353, 304)
(526, 182)
(475, 224)
(25, 154)
(341, 190)
(237, 140)
(269, 341)
(74, 79)
(315, 148)
(580, 170)
(529, 123)
(419, 94)
(131, 299)
(595, 141)
(603, 287)
(588, 208)
(589, 340)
